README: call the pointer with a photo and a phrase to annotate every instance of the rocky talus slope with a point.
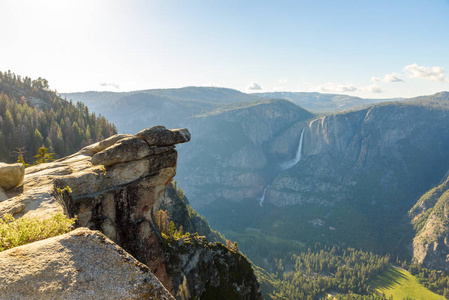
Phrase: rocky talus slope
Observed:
(430, 219)
(115, 186)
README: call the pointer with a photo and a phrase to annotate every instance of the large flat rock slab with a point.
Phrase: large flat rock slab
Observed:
(82, 264)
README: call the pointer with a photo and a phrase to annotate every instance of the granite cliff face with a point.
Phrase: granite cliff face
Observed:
(237, 150)
(114, 186)
(390, 152)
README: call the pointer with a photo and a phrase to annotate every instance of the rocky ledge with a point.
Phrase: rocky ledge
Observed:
(114, 186)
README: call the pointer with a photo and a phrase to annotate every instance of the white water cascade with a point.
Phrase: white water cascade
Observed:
(290, 163)
(286, 165)
(262, 199)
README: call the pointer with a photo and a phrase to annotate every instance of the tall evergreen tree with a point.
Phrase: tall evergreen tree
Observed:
(38, 140)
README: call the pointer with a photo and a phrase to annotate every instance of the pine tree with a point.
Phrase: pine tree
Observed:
(42, 156)
(161, 218)
(38, 140)
(20, 159)
(3, 148)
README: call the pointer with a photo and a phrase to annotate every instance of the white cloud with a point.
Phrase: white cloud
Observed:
(253, 86)
(112, 84)
(332, 87)
(430, 73)
(393, 77)
(374, 89)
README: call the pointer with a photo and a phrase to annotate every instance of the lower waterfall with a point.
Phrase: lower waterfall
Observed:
(262, 199)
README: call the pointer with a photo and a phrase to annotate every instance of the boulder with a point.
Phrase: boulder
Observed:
(2, 195)
(128, 149)
(82, 264)
(161, 136)
(11, 175)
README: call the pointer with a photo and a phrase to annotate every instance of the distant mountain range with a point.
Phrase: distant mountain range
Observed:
(174, 107)
(324, 103)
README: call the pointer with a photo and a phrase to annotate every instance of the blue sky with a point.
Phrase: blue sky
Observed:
(375, 49)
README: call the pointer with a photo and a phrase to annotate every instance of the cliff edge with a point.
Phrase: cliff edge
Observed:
(114, 186)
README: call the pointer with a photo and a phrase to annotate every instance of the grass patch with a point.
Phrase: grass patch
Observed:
(17, 232)
(401, 284)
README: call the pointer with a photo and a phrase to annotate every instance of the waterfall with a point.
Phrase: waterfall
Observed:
(262, 199)
(286, 165)
(290, 163)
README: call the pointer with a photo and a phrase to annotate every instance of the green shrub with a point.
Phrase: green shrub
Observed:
(16, 232)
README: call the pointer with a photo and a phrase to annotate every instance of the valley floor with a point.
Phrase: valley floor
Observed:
(400, 284)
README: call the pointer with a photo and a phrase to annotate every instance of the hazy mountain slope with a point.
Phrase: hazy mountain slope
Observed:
(198, 94)
(134, 111)
(324, 103)
(172, 107)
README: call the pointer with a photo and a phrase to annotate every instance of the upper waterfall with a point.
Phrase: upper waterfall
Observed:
(290, 163)
(286, 165)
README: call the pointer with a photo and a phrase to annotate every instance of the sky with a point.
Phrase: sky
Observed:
(370, 49)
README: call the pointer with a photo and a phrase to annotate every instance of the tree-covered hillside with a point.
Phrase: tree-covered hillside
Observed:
(31, 115)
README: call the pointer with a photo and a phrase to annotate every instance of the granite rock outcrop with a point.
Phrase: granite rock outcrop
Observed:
(116, 186)
(116, 197)
(62, 268)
